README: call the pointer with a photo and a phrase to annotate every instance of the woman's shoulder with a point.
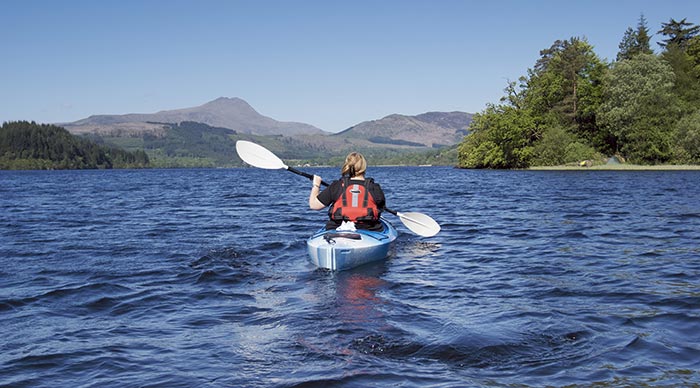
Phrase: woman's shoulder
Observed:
(373, 186)
(336, 185)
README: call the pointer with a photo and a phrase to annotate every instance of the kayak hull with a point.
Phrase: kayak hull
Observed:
(339, 251)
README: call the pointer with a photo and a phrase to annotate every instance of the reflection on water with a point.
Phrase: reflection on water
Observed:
(358, 300)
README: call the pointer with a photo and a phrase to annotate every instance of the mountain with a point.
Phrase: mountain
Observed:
(459, 121)
(231, 113)
(432, 129)
(205, 136)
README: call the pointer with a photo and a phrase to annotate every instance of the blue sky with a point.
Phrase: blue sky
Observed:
(328, 63)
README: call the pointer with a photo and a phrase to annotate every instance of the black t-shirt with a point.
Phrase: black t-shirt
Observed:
(335, 191)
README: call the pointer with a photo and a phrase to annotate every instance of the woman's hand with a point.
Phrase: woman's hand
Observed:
(317, 181)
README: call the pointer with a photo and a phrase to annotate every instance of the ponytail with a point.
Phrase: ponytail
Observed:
(355, 164)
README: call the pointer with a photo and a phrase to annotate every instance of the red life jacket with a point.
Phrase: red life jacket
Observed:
(355, 204)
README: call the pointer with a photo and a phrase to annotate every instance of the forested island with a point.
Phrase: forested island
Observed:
(30, 146)
(572, 107)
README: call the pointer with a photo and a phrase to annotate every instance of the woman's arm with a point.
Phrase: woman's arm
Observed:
(314, 203)
(378, 195)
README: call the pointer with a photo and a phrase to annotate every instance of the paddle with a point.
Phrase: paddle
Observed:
(259, 156)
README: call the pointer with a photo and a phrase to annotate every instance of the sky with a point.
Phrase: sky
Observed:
(331, 64)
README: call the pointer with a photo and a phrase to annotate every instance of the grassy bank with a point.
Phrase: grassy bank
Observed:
(619, 167)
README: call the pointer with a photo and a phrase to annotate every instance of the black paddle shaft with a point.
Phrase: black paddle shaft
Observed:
(304, 174)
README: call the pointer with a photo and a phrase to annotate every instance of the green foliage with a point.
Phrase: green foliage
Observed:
(641, 108)
(189, 141)
(558, 146)
(687, 76)
(398, 157)
(693, 52)
(578, 151)
(25, 145)
(481, 154)
(687, 139)
(501, 137)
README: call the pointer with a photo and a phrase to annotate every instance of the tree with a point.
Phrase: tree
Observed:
(688, 138)
(565, 87)
(635, 41)
(640, 108)
(679, 33)
(687, 76)
(693, 51)
(558, 146)
(500, 137)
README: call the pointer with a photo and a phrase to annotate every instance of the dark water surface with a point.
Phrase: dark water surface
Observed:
(200, 278)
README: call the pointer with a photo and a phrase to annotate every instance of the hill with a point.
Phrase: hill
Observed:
(232, 113)
(191, 144)
(188, 138)
(432, 129)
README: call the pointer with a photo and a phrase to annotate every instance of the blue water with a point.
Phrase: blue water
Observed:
(199, 278)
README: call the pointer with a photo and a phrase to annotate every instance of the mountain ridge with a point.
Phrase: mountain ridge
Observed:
(205, 135)
(430, 129)
(233, 113)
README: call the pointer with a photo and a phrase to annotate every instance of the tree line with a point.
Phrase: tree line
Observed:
(29, 146)
(573, 106)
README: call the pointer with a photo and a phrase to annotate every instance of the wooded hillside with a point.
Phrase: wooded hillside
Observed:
(26, 145)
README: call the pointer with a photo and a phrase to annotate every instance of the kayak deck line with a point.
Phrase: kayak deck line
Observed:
(330, 236)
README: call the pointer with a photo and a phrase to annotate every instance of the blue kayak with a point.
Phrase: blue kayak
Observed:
(339, 250)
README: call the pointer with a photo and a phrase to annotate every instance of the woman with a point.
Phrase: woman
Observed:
(351, 198)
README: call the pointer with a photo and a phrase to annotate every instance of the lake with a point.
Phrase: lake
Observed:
(200, 278)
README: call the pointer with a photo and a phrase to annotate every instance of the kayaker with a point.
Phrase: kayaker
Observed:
(352, 197)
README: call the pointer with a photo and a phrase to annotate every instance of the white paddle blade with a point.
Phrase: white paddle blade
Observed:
(258, 156)
(420, 224)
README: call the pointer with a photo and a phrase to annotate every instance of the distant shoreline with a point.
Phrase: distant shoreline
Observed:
(619, 167)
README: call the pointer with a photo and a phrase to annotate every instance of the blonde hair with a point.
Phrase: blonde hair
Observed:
(355, 164)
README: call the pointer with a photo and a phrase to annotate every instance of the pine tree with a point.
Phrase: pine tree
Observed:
(679, 33)
(635, 42)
